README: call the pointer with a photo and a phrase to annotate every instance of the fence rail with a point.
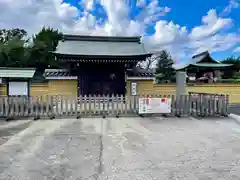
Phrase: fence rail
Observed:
(194, 104)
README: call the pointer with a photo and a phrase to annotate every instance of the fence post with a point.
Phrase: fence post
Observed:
(22, 106)
(177, 111)
(202, 104)
(52, 115)
(173, 103)
(85, 105)
(103, 112)
(189, 104)
(126, 104)
(57, 101)
(89, 104)
(79, 101)
(47, 105)
(134, 103)
(2, 106)
(227, 105)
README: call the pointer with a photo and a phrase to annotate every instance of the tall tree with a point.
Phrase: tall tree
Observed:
(12, 47)
(44, 43)
(7, 35)
(149, 63)
(12, 54)
(164, 70)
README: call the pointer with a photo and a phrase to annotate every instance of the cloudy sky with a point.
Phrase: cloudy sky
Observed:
(183, 27)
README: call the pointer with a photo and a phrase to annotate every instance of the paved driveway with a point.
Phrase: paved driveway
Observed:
(9, 129)
(123, 149)
(235, 109)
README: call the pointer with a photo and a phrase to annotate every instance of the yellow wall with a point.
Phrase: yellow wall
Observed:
(40, 89)
(147, 87)
(52, 87)
(232, 89)
(63, 87)
(69, 88)
(3, 90)
(55, 87)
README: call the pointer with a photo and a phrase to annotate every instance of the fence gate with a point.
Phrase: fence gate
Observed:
(194, 104)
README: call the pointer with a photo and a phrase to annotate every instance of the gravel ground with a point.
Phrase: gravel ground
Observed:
(123, 149)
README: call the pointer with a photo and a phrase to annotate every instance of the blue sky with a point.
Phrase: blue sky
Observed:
(184, 13)
(182, 27)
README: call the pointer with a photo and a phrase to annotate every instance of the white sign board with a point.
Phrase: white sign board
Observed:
(134, 89)
(154, 105)
(18, 88)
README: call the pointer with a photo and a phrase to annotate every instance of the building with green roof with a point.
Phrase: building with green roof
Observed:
(200, 65)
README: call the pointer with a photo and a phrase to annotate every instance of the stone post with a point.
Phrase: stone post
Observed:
(181, 88)
(217, 75)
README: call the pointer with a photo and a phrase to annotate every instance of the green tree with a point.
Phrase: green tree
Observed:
(12, 47)
(230, 72)
(164, 71)
(44, 43)
(7, 35)
(12, 54)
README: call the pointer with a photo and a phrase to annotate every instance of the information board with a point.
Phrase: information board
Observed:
(154, 105)
(134, 89)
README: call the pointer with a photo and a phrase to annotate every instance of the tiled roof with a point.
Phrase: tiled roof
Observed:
(136, 72)
(100, 46)
(70, 37)
(195, 60)
(57, 73)
(17, 72)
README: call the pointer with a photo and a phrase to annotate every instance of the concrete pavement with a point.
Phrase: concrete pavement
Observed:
(234, 108)
(124, 148)
(9, 129)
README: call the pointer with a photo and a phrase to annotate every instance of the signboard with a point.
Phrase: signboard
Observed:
(134, 89)
(154, 105)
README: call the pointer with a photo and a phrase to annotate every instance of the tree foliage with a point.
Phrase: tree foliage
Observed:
(12, 48)
(17, 51)
(7, 35)
(164, 70)
(44, 43)
(232, 71)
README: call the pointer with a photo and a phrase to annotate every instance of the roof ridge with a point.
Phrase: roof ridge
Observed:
(200, 54)
(56, 70)
(71, 37)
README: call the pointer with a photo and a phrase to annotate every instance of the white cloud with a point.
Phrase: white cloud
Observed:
(33, 14)
(152, 11)
(182, 43)
(179, 40)
(211, 25)
(168, 32)
(88, 4)
(237, 49)
(141, 3)
(233, 4)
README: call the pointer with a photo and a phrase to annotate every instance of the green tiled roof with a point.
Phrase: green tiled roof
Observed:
(16, 72)
(211, 65)
(101, 46)
(197, 61)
